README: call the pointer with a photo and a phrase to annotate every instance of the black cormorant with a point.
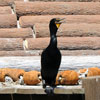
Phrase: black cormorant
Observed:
(51, 58)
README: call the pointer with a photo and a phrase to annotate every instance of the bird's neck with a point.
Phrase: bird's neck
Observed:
(53, 41)
(53, 31)
(53, 38)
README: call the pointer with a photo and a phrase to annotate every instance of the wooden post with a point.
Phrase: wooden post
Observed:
(92, 88)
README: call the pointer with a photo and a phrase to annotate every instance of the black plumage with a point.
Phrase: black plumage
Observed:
(51, 58)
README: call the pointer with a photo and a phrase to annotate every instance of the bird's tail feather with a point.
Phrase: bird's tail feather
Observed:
(49, 90)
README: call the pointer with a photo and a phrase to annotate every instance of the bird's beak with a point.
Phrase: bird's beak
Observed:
(59, 21)
(62, 20)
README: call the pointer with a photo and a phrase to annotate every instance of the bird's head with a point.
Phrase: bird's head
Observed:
(55, 24)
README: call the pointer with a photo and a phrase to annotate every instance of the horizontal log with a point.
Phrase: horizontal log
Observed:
(70, 30)
(66, 43)
(57, 8)
(20, 53)
(69, 0)
(5, 10)
(8, 2)
(29, 21)
(11, 44)
(33, 62)
(80, 52)
(38, 53)
(8, 21)
(16, 33)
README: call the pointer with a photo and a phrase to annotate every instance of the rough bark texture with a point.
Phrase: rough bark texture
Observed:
(8, 21)
(8, 2)
(11, 44)
(67, 43)
(69, 0)
(70, 30)
(26, 53)
(21, 53)
(29, 21)
(5, 10)
(57, 8)
(80, 52)
(16, 33)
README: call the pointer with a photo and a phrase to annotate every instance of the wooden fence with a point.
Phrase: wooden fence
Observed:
(91, 86)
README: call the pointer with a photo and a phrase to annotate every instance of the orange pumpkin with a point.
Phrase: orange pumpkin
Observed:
(31, 78)
(94, 71)
(3, 73)
(67, 77)
(13, 73)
